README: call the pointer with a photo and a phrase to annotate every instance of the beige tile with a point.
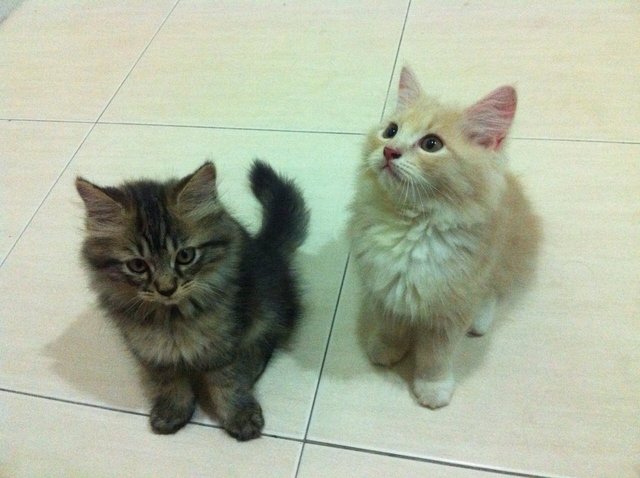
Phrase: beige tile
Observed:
(316, 65)
(554, 388)
(48, 438)
(32, 155)
(65, 60)
(571, 61)
(322, 461)
(57, 343)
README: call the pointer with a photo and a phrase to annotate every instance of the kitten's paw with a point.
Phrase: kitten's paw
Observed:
(483, 319)
(246, 423)
(383, 354)
(434, 394)
(476, 331)
(168, 417)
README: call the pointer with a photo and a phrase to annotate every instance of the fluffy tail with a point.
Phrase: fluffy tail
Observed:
(285, 215)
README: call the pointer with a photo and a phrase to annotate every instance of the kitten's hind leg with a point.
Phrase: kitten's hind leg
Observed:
(388, 337)
(173, 402)
(484, 318)
(237, 409)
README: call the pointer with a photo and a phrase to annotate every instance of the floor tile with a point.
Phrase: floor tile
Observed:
(554, 388)
(317, 65)
(32, 155)
(570, 61)
(51, 438)
(65, 60)
(322, 461)
(58, 344)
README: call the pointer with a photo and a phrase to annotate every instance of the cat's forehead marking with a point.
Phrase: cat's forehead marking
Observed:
(142, 248)
(153, 220)
(171, 245)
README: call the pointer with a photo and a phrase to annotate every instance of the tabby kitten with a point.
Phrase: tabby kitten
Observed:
(439, 231)
(195, 296)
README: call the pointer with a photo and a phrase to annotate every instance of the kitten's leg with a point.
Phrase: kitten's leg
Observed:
(388, 339)
(483, 318)
(173, 402)
(433, 381)
(237, 409)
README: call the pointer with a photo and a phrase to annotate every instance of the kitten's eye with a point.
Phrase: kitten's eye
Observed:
(137, 266)
(391, 131)
(431, 143)
(186, 256)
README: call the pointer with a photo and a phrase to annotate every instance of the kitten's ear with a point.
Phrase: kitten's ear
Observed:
(102, 209)
(198, 190)
(488, 121)
(409, 89)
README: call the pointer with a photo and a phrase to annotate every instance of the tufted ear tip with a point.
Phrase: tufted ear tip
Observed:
(101, 207)
(207, 169)
(83, 187)
(198, 189)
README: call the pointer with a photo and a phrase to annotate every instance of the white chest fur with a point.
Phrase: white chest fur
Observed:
(412, 265)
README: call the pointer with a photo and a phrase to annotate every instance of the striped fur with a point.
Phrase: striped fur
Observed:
(195, 296)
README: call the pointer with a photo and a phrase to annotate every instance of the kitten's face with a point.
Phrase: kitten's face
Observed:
(426, 151)
(169, 269)
(156, 244)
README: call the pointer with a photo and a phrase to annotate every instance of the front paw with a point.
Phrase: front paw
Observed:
(246, 422)
(434, 393)
(168, 417)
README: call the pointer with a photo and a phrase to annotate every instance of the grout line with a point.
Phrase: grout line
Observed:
(66, 166)
(44, 199)
(324, 359)
(423, 460)
(234, 128)
(326, 349)
(574, 140)
(137, 61)
(298, 131)
(395, 61)
(303, 441)
(187, 126)
(38, 120)
(128, 412)
(73, 402)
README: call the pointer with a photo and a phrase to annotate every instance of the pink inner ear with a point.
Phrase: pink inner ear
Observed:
(409, 89)
(488, 121)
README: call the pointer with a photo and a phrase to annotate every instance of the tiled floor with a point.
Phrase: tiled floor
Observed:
(117, 89)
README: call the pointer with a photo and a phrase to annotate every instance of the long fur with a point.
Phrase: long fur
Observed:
(286, 217)
(438, 236)
(217, 318)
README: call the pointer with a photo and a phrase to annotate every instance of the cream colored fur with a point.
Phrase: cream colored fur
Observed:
(438, 236)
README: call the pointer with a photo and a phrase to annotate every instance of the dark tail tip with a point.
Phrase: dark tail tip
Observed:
(285, 215)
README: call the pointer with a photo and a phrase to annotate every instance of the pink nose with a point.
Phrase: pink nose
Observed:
(390, 154)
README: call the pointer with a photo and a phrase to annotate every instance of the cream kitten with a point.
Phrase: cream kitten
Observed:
(439, 230)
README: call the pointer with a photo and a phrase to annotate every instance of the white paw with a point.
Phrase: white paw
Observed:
(385, 355)
(434, 394)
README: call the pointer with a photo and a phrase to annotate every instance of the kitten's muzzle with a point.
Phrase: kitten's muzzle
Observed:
(167, 288)
(390, 154)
